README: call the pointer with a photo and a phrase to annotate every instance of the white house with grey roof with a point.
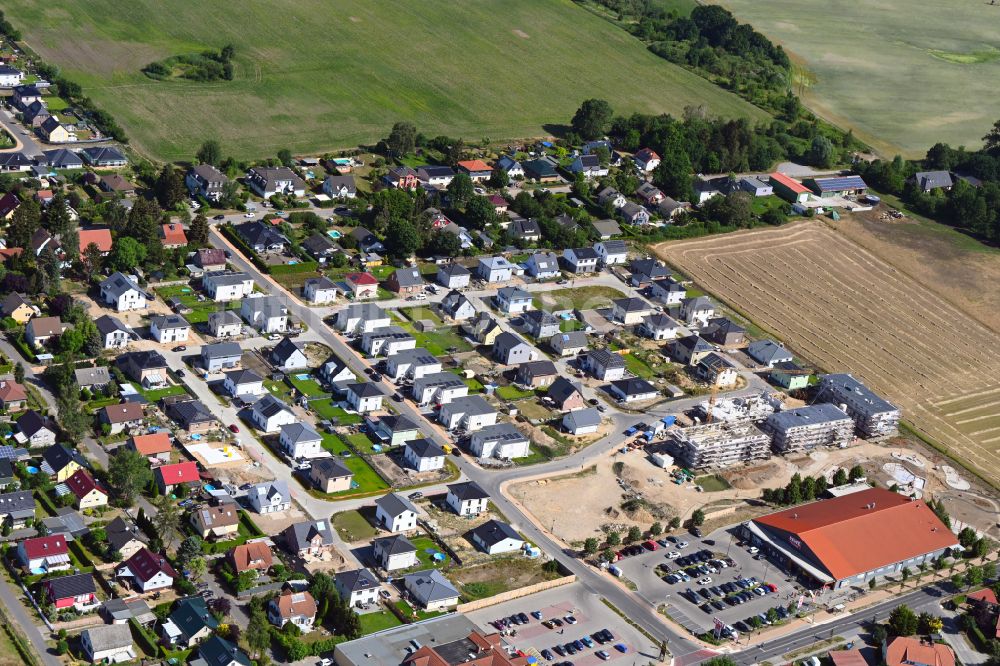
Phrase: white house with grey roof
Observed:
(358, 587)
(395, 513)
(336, 372)
(453, 276)
(423, 455)
(697, 311)
(123, 293)
(667, 291)
(225, 324)
(393, 429)
(494, 538)
(244, 384)
(364, 397)
(457, 306)
(289, 355)
(509, 349)
(220, 355)
(359, 318)
(543, 266)
(495, 269)
(768, 352)
(540, 324)
(611, 252)
(320, 290)
(470, 413)
(569, 344)
(755, 186)
(312, 537)
(224, 286)
(265, 313)
(605, 365)
(340, 187)
(438, 388)
(394, 552)
(270, 413)
(512, 300)
(109, 644)
(502, 441)
(431, 590)
(92, 378)
(580, 260)
(268, 181)
(206, 181)
(630, 311)
(412, 364)
(169, 328)
(269, 497)
(582, 421)
(387, 341)
(114, 334)
(467, 498)
(658, 327)
(299, 440)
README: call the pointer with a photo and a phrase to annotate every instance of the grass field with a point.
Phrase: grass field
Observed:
(578, 298)
(321, 74)
(863, 57)
(846, 309)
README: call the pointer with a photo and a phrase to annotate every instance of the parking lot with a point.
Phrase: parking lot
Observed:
(589, 617)
(719, 581)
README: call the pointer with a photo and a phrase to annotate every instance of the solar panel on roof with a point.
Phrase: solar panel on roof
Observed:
(841, 183)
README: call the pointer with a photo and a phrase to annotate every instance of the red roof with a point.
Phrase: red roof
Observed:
(361, 278)
(145, 564)
(8, 203)
(848, 658)
(474, 165)
(185, 472)
(100, 237)
(82, 483)
(11, 391)
(985, 594)
(905, 650)
(790, 183)
(862, 531)
(45, 546)
(150, 445)
(498, 200)
(647, 154)
(173, 234)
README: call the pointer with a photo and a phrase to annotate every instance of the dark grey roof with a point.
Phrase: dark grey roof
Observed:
(107, 324)
(300, 432)
(615, 247)
(585, 253)
(424, 448)
(221, 350)
(191, 615)
(224, 317)
(118, 284)
(397, 423)
(434, 171)
(409, 277)
(330, 468)
(103, 154)
(430, 586)
(823, 412)
(929, 180)
(318, 245)
(541, 317)
(72, 586)
(493, 532)
(189, 413)
(304, 532)
(144, 360)
(562, 388)
(659, 321)
(633, 304)
(650, 268)
(269, 405)
(514, 294)
(243, 376)
(582, 418)
(470, 404)
(454, 269)
(357, 579)
(634, 386)
(469, 490)
(608, 359)
(340, 182)
(395, 544)
(395, 504)
(164, 322)
(14, 160)
(218, 652)
(258, 233)
(767, 351)
(694, 343)
(98, 375)
(843, 382)
(538, 368)
(365, 390)
(31, 422)
(284, 350)
(121, 532)
(17, 502)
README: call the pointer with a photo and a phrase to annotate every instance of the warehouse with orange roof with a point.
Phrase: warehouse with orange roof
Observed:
(851, 539)
(788, 188)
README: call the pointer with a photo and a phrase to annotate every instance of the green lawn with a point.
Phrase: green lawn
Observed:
(378, 621)
(326, 409)
(438, 342)
(353, 526)
(511, 392)
(366, 479)
(359, 441)
(307, 387)
(278, 389)
(578, 298)
(321, 74)
(200, 310)
(416, 613)
(636, 366)
(712, 483)
(423, 544)
(155, 394)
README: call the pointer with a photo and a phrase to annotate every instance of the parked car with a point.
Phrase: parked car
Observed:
(548, 656)
(603, 655)
(233, 427)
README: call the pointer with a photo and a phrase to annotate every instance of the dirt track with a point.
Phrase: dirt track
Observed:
(841, 306)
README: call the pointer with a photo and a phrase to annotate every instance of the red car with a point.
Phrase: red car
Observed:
(651, 545)
(233, 427)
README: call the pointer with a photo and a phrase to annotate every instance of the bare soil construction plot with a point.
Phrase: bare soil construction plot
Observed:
(844, 308)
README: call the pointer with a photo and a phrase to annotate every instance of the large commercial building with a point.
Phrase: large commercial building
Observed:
(873, 415)
(851, 539)
(805, 428)
(721, 444)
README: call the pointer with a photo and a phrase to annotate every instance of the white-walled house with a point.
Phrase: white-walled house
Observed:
(269, 414)
(423, 455)
(502, 441)
(227, 286)
(169, 328)
(364, 397)
(467, 498)
(300, 440)
(395, 513)
(122, 293)
(269, 497)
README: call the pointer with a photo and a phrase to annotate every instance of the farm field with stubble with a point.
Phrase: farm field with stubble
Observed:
(314, 75)
(904, 74)
(843, 307)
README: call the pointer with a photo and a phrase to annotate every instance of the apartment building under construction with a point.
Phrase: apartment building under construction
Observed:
(721, 444)
(805, 428)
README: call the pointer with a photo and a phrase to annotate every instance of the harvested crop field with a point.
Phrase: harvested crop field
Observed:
(844, 308)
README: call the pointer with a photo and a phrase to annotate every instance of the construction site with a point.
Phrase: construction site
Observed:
(719, 444)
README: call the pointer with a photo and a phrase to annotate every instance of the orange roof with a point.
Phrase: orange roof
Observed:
(905, 650)
(173, 234)
(490, 654)
(43, 195)
(150, 445)
(291, 604)
(985, 594)
(100, 237)
(10, 252)
(11, 391)
(253, 555)
(793, 185)
(862, 531)
(475, 165)
(848, 658)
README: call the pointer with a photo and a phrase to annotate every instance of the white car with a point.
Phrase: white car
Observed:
(325, 661)
(705, 581)
(249, 216)
(681, 545)
(753, 550)
(673, 555)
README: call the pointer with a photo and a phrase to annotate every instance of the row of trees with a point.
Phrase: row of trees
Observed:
(805, 489)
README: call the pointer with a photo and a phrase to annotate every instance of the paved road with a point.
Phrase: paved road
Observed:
(16, 611)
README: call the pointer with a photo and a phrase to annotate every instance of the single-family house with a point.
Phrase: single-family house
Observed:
(477, 170)
(265, 313)
(469, 413)
(358, 587)
(221, 355)
(359, 318)
(789, 375)
(340, 187)
(646, 160)
(690, 349)
(494, 269)
(77, 591)
(658, 327)
(411, 364)
(524, 230)
(611, 252)
(16, 508)
(612, 196)
(255, 555)
(512, 300)
(494, 538)
(402, 178)
(289, 355)
(438, 388)
(146, 571)
(630, 311)
(225, 324)
(634, 214)
(40, 330)
(633, 390)
(768, 352)
(394, 552)
(149, 368)
(405, 281)
(216, 522)
(502, 441)
(330, 475)
(457, 306)
(543, 266)
(387, 341)
(121, 292)
(59, 462)
(536, 374)
(540, 170)
(244, 384)
(18, 307)
(580, 260)
(364, 397)
(173, 236)
(121, 417)
(25, 94)
(44, 554)
(668, 291)
(261, 237)
(568, 344)
(423, 455)
(436, 176)
(566, 395)
(724, 331)
(269, 497)
(13, 397)
(590, 166)
(300, 440)
(113, 333)
(188, 624)
(312, 537)
(482, 328)
(210, 259)
(650, 194)
(216, 651)
(540, 324)
(582, 421)
(269, 413)
(54, 131)
(453, 276)
(928, 181)
(605, 365)
(204, 180)
(108, 644)
(320, 290)
(227, 285)
(320, 247)
(393, 429)
(509, 349)
(38, 430)
(167, 477)
(268, 181)
(336, 372)
(104, 157)
(430, 590)
(362, 285)
(716, 370)
(697, 311)
(510, 166)
(125, 537)
(395, 513)
(467, 498)
(169, 328)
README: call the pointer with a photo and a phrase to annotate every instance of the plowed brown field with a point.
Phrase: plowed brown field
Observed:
(840, 306)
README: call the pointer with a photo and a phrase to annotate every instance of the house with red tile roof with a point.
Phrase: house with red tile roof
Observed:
(173, 235)
(907, 651)
(852, 539)
(44, 554)
(363, 285)
(253, 555)
(99, 237)
(155, 445)
(88, 491)
(146, 571)
(477, 170)
(168, 476)
(985, 595)
(12, 396)
(848, 658)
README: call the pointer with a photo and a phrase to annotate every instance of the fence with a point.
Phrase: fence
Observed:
(514, 594)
